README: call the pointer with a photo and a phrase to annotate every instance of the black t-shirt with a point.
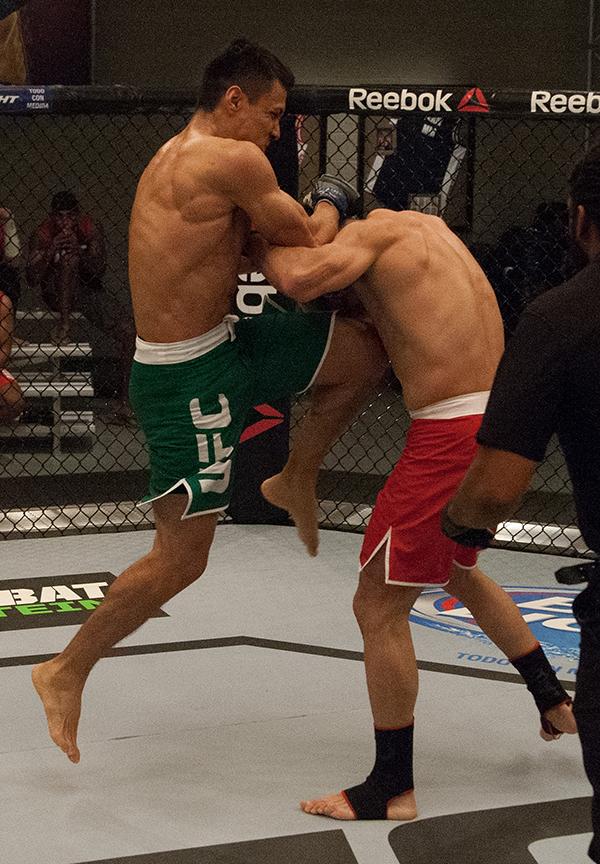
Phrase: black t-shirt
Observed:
(549, 381)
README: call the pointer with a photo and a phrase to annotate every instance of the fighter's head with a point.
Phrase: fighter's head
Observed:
(584, 204)
(247, 85)
(64, 209)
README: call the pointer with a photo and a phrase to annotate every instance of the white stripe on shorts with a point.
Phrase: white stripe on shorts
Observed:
(458, 406)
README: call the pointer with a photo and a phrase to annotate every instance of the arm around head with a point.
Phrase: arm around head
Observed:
(306, 274)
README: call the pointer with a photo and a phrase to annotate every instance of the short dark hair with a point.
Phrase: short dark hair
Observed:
(251, 67)
(63, 201)
(584, 185)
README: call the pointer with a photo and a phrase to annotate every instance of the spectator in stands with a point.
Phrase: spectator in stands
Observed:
(67, 259)
(11, 397)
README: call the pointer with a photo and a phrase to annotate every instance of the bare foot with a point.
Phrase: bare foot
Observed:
(61, 698)
(300, 503)
(563, 719)
(403, 808)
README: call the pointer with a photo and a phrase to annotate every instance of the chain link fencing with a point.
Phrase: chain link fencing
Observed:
(75, 460)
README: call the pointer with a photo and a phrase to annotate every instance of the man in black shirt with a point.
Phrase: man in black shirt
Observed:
(548, 382)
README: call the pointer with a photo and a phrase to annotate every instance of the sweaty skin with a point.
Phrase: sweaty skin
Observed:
(422, 289)
(191, 218)
(439, 321)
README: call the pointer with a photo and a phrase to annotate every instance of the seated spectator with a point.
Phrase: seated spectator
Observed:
(11, 397)
(67, 260)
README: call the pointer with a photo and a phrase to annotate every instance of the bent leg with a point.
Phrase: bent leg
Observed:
(382, 612)
(500, 619)
(177, 558)
(66, 284)
(354, 365)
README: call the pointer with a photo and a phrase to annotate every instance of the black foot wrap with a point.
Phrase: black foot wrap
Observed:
(392, 774)
(541, 680)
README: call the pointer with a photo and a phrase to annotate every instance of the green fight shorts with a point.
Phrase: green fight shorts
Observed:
(192, 398)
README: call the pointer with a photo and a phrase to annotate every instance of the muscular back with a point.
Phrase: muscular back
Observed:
(434, 309)
(185, 239)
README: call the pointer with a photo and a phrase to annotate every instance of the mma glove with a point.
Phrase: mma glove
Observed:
(475, 538)
(336, 191)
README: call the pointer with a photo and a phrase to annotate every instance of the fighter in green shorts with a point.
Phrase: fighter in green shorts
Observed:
(196, 373)
(191, 398)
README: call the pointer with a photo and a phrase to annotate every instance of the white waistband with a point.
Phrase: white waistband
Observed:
(457, 406)
(157, 353)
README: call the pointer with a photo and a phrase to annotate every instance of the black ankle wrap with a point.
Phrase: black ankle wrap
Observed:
(392, 774)
(541, 679)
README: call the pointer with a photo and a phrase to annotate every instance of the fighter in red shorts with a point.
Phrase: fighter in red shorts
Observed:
(11, 398)
(438, 319)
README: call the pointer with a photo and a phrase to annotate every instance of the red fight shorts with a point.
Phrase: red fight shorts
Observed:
(406, 520)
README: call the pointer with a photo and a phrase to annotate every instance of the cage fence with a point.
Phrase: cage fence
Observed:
(74, 461)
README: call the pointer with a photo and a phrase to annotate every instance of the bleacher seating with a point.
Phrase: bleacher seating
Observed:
(40, 370)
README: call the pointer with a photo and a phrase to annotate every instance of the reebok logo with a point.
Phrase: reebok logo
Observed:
(394, 100)
(474, 102)
(561, 103)
(272, 416)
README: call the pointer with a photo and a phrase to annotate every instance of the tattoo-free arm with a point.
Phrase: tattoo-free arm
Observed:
(305, 274)
(491, 489)
(249, 181)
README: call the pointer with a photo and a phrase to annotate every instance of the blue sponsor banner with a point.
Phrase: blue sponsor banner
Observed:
(547, 611)
(20, 99)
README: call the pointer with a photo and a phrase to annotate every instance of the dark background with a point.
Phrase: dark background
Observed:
(507, 45)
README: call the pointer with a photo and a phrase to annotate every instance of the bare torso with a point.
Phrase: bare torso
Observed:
(185, 240)
(434, 309)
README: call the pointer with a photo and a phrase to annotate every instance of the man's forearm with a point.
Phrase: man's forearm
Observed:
(272, 261)
(324, 223)
(479, 511)
(491, 489)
